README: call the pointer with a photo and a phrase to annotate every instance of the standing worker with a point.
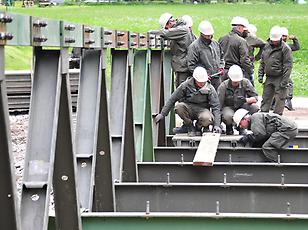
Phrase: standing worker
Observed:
(294, 47)
(273, 130)
(235, 47)
(235, 93)
(197, 100)
(179, 34)
(206, 52)
(276, 64)
(253, 43)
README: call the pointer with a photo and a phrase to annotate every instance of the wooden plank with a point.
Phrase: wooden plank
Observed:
(207, 149)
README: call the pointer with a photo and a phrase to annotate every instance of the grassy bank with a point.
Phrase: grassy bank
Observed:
(141, 18)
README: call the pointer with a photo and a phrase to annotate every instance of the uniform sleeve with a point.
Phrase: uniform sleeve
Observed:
(215, 106)
(244, 57)
(222, 61)
(174, 33)
(221, 94)
(287, 65)
(192, 58)
(258, 127)
(295, 45)
(261, 68)
(175, 96)
(250, 90)
(259, 44)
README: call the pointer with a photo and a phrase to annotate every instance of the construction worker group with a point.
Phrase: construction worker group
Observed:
(215, 81)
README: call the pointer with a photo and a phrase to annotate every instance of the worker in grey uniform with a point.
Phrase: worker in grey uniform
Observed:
(273, 130)
(197, 101)
(180, 38)
(235, 93)
(276, 64)
(189, 23)
(253, 43)
(206, 52)
(294, 47)
(235, 48)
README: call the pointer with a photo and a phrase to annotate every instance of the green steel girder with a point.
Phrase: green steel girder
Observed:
(72, 35)
(20, 28)
(92, 36)
(45, 32)
(184, 222)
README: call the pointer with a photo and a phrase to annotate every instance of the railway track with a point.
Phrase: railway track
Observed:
(18, 84)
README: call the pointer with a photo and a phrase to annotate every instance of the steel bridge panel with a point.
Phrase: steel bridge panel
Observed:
(175, 154)
(224, 173)
(72, 35)
(20, 29)
(212, 198)
(46, 35)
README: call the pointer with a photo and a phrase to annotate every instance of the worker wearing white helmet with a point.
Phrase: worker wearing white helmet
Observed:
(276, 64)
(269, 131)
(235, 47)
(189, 23)
(206, 52)
(197, 101)
(294, 47)
(180, 38)
(253, 43)
(236, 93)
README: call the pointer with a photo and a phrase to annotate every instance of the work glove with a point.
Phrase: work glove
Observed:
(241, 100)
(260, 79)
(216, 129)
(222, 71)
(158, 118)
(284, 85)
(246, 139)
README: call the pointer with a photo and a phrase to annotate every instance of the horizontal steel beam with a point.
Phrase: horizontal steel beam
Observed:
(179, 221)
(216, 197)
(186, 154)
(224, 173)
(183, 140)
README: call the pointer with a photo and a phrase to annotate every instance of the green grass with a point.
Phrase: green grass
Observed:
(144, 17)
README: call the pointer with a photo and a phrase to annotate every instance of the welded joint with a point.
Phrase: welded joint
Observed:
(282, 178)
(288, 209)
(217, 208)
(147, 207)
(225, 178)
(168, 178)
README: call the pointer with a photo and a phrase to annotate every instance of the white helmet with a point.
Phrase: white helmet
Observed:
(284, 31)
(164, 18)
(235, 73)
(239, 21)
(239, 115)
(188, 20)
(200, 74)
(252, 29)
(275, 33)
(206, 28)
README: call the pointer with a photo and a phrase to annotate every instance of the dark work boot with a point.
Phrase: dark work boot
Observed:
(182, 129)
(191, 130)
(229, 130)
(288, 104)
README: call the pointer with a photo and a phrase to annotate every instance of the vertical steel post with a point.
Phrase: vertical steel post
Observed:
(157, 95)
(41, 143)
(9, 216)
(142, 107)
(121, 111)
(103, 200)
(65, 168)
(168, 89)
(86, 126)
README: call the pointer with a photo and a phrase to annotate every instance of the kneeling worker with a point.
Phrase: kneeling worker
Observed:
(273, 130)
(197, 100)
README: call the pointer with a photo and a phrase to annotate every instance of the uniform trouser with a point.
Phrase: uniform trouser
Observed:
(215, 82)
(181, 77)
(228, 112)
(189, 113)
(290, 90)
(272, 89)
(277, 140)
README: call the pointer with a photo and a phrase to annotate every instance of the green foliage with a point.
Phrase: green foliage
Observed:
(144, 17)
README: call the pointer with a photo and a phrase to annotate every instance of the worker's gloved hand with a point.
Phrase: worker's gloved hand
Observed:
(222, 71)
(158, 118)
(216, 129)
(241, 100)
(284, 85)
(260, 79)
(246, 139)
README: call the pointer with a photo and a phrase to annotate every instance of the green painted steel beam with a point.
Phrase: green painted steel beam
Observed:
(182, 222)
(20, 28)
(72, 35)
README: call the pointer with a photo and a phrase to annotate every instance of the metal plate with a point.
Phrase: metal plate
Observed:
(109, 38)
(20, 28)
(121, 39)
(46, 33)
(92, 36)
(72, 35)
